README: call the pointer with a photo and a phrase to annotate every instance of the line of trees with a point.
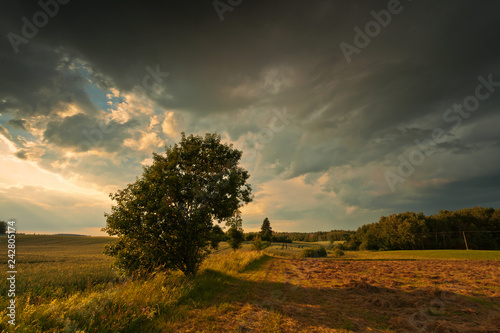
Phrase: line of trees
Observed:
(479, 226)
(267, 234)
(318, 236)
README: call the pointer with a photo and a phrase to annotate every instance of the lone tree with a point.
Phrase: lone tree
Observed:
(216, 237)
(165, 219)
(266, 231)
(235, 233)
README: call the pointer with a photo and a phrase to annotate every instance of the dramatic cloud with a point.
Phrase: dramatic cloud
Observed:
(405, 119)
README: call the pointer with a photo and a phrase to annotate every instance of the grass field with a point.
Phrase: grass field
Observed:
(294, 250)
(65, 284)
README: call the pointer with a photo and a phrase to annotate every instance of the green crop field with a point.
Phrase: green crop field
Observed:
(66, 284)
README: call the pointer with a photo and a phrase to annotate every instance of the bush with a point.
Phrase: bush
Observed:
(338, 253)
(340, 246)
(257, 244)
(314, 252)
(236, 237)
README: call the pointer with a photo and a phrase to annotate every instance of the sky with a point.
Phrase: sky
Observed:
(345, 110)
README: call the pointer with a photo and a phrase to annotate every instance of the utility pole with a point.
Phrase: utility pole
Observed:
(465, 239)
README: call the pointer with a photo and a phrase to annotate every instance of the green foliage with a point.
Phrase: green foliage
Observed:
(319, 236)
(339, 246)
(3, 227)
(266, 232)
(235, 238)
(235, 235)
(164, 219)
(338, 252)
(282, 238)
(217, 235)
(250, 237)
(336, 246)
(445, 230)
(314, 252)
(289, 237)
(257, 244)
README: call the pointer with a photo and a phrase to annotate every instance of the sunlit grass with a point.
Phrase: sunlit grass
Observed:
(231, 262)
(66, 284)
(425, 254)
(53, 266)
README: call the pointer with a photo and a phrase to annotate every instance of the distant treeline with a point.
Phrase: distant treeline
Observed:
(479, 227)
(318, 236)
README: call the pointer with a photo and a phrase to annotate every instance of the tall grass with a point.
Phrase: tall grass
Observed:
(232, 262)
(63, 287)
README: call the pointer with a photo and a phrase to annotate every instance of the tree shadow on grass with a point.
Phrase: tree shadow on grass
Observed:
(256, 264)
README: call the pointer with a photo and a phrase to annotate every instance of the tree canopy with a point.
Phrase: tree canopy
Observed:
(164, 220)
(445, 230)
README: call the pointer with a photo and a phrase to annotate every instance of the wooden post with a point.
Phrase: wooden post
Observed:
(465, 239)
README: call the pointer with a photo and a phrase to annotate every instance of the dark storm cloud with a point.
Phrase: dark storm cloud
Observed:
(472, 191)
(35, 83)
(271, 54)
(401, 75)
(83, 132)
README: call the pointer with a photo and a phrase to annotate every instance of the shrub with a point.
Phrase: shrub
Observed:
(338, 253)
(314, 252)
(235, 237)
(257, 244)
(340, 246)
(333, 247)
